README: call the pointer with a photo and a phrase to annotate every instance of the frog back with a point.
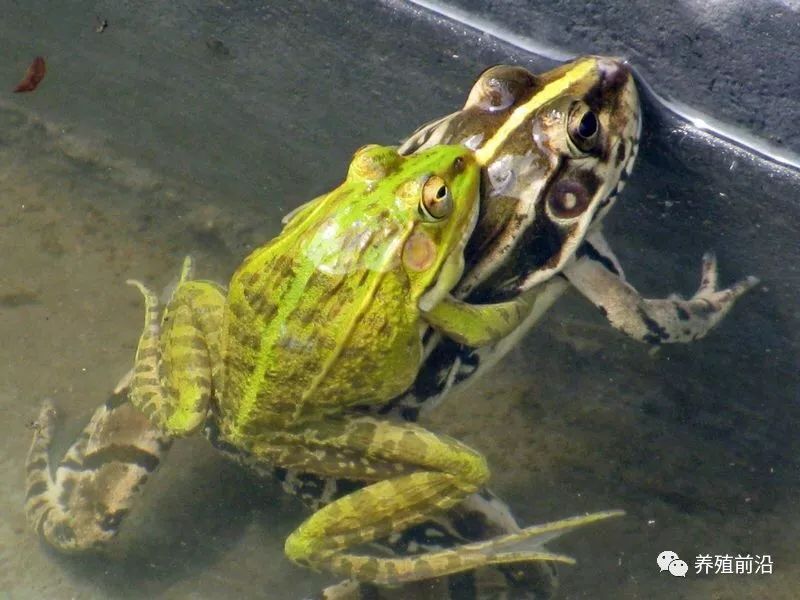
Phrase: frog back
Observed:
(314, 315)
(328, 315)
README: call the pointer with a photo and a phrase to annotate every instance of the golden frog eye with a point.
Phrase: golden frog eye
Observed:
(437, 202)
(583, 127)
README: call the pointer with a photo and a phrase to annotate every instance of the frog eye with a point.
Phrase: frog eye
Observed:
(373, 162)
(437, 202)
(583, 127)
(500, 87)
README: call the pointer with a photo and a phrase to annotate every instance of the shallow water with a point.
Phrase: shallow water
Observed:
(145, 143)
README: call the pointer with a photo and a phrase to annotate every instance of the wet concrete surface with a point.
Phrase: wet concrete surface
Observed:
(733, 59)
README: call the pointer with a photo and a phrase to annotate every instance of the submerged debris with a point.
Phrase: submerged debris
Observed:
(218, 47)
(33, 76)
(19, 297)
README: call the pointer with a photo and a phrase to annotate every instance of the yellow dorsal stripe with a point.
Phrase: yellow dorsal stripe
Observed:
(485, 153)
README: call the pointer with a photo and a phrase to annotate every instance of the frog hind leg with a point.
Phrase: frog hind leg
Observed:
(481, 516)
(178, 355)
(83, 503)
(433, 474)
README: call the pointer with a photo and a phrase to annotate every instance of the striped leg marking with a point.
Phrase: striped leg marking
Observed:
(82, 505)
(480, 517)
(177, 354)
(433, 474)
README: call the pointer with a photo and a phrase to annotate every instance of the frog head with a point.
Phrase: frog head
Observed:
(555, 149)
(413, 214)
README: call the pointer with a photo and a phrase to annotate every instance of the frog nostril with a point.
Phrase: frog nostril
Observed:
(616, 72)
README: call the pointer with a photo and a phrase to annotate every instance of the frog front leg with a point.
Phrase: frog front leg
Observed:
(418, 473)
(596, 274)
(476, 325)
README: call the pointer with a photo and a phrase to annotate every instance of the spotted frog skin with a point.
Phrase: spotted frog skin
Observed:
(325, 318)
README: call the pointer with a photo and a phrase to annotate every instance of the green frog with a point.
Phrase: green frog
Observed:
(324, 319)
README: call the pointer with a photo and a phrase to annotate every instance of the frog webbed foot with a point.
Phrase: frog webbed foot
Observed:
(481, 516)
(709, 303)
(82, 505)
(654, 320)
(676, 319)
